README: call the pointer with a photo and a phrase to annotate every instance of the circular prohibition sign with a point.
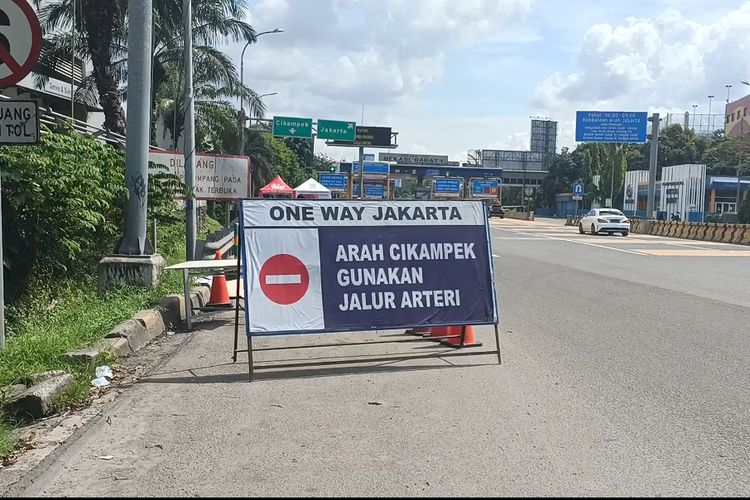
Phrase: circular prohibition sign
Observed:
(20, 41)
(284, 279)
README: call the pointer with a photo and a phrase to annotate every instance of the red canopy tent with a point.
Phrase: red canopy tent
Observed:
(277, 188)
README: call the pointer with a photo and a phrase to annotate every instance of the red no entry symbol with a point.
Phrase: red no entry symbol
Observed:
(20, 41)
(284, 279)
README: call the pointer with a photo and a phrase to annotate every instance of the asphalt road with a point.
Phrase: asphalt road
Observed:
(625, 372)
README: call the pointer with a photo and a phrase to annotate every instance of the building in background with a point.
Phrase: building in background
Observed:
(544, 140)
(635, 197)
(522, 168)
(683, 190)
(723, 193)
(736, 121)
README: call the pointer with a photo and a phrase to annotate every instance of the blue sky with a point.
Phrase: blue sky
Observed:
(451, 76)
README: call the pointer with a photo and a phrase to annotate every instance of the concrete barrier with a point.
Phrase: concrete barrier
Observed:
(702, 231)
(739, 235)
(745, 236)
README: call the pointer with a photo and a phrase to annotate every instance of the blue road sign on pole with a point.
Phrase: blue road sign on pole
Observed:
(578, 189)
(611, 126)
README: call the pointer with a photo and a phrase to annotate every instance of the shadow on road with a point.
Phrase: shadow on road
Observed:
(280, 372)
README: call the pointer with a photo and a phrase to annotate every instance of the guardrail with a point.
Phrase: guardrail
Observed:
(222, 240)
(54, 119)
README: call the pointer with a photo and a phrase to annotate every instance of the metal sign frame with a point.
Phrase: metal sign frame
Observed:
(242, 303)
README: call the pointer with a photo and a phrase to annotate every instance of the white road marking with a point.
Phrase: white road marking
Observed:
(579, 242)
(283, 279)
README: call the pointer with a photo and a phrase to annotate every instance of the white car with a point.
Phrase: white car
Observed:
(604, 220)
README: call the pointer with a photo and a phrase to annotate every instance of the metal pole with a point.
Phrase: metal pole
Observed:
(139, 115)
(738, 199)
(612, 185)
(652, 166)
(241, 152)
(2, 279)
(710, 120)
(189, 143)
(73, 60)
(360, 174)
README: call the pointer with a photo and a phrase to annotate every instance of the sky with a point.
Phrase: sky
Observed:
(451, 76)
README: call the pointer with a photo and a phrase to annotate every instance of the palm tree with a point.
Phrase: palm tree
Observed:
(102, 39)
(215, 115)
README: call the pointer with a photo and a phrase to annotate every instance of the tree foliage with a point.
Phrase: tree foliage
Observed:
(63, 206)
(677, 146)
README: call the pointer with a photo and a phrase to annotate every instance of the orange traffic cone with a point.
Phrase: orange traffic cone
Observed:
(219, 290)
(462, 336)
(439, 331)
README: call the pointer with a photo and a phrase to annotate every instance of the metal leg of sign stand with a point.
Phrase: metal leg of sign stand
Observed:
(188, 301)
(497, 344)
(249, 358)
(237, 300)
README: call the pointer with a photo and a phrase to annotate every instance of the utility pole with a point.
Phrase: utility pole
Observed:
(189, 142)
(612, 184)
(139, 114)
(652, 166)
(360, 173)
(710, 120)
(739, 190)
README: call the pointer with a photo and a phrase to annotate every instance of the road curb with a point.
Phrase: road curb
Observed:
(146, 325)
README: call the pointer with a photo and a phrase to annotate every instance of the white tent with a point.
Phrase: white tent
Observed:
(312, 189)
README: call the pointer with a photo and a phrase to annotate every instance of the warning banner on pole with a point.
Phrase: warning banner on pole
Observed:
(333, 266)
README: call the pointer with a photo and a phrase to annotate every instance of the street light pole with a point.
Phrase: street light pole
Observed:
(710, 121)
(189, 142)
(242, 85)
(695, 106)
(134, 240)
(728, 86)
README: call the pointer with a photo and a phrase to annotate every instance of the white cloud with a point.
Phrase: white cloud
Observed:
(665, 63)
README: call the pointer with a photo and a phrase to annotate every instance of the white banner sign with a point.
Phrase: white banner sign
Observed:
(217, 177)
(289, 213)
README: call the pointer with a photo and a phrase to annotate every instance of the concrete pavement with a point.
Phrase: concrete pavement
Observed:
(624, 373)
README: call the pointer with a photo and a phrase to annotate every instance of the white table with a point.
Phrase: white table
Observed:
(192, 266)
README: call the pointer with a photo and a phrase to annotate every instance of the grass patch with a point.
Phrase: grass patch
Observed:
(72, 315)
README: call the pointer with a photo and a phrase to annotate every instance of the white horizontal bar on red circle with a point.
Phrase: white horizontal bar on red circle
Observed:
(283, 279)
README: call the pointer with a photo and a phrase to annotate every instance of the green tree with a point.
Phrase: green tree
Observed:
(101, 34)
(324, 163)
(563, 173)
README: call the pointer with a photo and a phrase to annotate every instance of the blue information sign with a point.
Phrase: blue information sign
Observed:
(447, 186)
(371, 190)
(485, 187)
(330, 266)
(432, 172)
(334, 182)
(611, 126)
(375, 167)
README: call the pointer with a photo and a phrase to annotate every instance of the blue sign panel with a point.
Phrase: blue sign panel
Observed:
(578, 189)
(448, 186)
(485, 187)
(432, 172)
(371, 190)
(329, 266)
(334, 182)
(374, 167)
(369, 157)
(611, 126)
